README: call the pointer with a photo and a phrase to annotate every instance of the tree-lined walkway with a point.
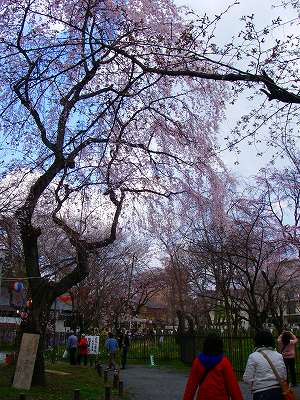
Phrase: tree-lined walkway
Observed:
(145, 383)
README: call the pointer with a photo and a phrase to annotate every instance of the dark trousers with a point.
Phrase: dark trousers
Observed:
(112, 360)
(271, 394)
(124, 356)
(80, 357)
(290, 367)
(72, 352)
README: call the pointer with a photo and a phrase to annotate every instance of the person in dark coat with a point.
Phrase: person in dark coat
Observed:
(124, 349)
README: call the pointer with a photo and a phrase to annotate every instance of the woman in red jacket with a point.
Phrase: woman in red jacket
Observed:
(212, 374)
(82, 350)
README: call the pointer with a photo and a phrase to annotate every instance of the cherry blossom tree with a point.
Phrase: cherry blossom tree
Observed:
(280, 191)
(247, 259)
(95, 129)
(122, 280)
(122, 98)
(234, 269)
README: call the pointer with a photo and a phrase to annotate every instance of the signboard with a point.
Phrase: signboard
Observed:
(10, 320)
(93, 343)
(26, 360)
(152, 362)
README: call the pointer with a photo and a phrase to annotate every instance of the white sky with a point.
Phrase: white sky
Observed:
(249, 163)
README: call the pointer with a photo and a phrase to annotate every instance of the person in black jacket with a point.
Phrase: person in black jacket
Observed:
(124, 349)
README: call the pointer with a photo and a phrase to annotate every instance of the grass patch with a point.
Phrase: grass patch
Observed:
(170, 364)
(59, 387)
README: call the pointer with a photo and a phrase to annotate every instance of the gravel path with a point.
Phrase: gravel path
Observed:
(145, 383)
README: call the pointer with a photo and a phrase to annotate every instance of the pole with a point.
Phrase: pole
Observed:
(121, 388)
(116, 380)
(54, 332)
(0, 274)
(105, 376)
(107, 393)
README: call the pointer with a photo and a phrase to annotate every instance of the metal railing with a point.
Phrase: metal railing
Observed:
(163, 348)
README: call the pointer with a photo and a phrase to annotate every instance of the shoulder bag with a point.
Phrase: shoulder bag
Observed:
(287, 392)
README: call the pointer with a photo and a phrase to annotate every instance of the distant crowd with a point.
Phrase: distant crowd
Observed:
(78, 348)
(270, 373)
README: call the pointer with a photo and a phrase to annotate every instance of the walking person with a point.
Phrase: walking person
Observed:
(111, 345)
(120, 337)
(125, 348)
(259, 373)
(212, 374)
(287, 345)
(72, 347)
(83, 350)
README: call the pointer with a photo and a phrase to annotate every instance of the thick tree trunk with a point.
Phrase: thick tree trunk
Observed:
(191, 325)
(37, 323)
(181, 322)
(257, 320)
(38, 377)
(40, 292)
(278, 322)
(43, 293)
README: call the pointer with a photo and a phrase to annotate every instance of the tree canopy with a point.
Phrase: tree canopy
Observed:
(105, 103)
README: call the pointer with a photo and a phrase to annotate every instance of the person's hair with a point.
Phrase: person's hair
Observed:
(110, 335)
(212, 345)
(286, 337)
(264, 338)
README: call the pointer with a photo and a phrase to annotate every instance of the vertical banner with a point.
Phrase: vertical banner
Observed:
(93, 343)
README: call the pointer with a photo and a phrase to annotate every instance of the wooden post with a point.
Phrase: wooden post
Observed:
(77, 394)
(121, 388)
(115, 380)
(99, 369)
(105, 376)
(22, 396)
(107, 392)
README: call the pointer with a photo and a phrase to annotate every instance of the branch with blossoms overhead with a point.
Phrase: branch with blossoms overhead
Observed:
(273, 92)
(103, 99)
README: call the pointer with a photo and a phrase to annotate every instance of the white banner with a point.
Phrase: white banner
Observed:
(93, 343)
(10, 320)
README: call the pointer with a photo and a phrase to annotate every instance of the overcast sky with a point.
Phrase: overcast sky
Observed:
(249, 163)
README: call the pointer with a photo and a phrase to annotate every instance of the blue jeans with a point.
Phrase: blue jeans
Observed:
(270, 394)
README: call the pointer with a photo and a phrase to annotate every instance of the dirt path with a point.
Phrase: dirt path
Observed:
(145, 383)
